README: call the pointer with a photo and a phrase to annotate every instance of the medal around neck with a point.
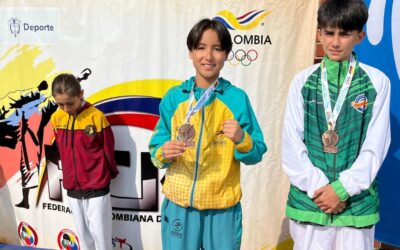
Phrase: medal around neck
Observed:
(186, 134)
(330, 139)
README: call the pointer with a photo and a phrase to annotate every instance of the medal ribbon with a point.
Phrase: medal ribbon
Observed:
(330, 116)
(202, 101)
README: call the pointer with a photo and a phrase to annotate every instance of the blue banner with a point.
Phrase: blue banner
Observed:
(381, 49)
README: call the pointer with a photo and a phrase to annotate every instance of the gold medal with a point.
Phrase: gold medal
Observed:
(186, 133)
(329, 139)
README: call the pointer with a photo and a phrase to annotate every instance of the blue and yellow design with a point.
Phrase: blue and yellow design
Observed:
(248, 21)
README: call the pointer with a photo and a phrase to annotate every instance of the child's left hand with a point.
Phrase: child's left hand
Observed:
(232, 130)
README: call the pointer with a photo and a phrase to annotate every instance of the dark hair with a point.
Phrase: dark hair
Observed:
(343, 14)
(66, 84)
(195, 34)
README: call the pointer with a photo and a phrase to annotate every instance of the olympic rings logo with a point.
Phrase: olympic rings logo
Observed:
(243, 57)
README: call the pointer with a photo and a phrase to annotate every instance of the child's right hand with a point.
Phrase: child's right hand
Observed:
(340, 208)
(173, 149)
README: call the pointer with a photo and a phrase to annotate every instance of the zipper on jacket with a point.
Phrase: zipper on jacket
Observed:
(334, 179)
(335, 155)
(73, 151)
(66, 132)
(197, 158)
(336, 126)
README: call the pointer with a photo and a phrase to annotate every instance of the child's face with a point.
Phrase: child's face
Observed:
(337, 43)
(70, 104)
(208, 58)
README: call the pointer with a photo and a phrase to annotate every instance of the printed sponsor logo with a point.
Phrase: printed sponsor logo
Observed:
(220, 139)
(67, 240)
(243, 57)
(30, 25)
(177, 227)
(360, 103)
(15, 26)
(247, 21)
(27, 235)
(242, 40)
(121, 243)
(135, 217)
(90, 130)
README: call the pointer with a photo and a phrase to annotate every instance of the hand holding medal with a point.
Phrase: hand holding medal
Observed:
(186, 133)
(173, 149)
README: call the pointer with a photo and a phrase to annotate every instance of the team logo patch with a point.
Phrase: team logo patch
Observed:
(67, 240)
(27, 234)
(177, 227)
(360, 103)
(219, 138)
(90, 130)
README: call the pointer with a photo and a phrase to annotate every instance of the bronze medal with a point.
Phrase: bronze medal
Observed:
(329, 139)
(186, 133)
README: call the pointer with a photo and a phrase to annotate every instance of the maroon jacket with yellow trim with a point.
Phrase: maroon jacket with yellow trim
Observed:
(86, 146)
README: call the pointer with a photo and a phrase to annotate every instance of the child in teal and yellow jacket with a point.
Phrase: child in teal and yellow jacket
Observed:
(206, 128)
